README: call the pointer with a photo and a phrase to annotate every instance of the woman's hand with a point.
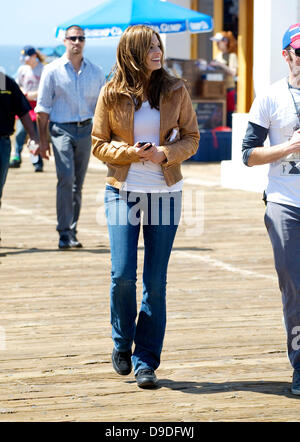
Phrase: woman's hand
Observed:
(158, 155)
(154, 153)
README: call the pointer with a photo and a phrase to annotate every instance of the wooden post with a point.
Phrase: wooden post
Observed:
(194, 37)
(245, 56)
(218, 21)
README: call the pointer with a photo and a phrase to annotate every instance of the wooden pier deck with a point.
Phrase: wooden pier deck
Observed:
(224, 357)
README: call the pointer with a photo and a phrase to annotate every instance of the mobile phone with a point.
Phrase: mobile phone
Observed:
(142, 143)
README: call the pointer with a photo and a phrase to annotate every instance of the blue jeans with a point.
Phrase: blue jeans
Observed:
(5, 148)
(161, 214)
(20, 140)
(71, 148)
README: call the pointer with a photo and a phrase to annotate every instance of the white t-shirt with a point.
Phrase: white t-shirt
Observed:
(276, 111)
(231, 61)
(147, 176)
(27, 78)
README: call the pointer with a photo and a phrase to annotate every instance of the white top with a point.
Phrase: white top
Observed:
(27, 78)
(275, 111)
(147, 176)
(230, 60)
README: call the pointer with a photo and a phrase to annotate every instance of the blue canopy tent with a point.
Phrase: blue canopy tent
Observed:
(112, 17)
(51, 53)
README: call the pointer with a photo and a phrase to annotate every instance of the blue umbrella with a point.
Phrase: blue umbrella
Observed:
(112, 17)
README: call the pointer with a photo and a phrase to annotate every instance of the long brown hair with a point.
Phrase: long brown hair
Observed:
(231, 41)
(130, 73)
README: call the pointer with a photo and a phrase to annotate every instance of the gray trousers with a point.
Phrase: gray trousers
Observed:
(283, 225)
(72, 148)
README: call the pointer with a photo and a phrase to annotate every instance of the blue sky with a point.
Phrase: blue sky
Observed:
(34, 21)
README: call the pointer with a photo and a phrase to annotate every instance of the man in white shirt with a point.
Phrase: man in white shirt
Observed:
(67, 98)
(277, 114)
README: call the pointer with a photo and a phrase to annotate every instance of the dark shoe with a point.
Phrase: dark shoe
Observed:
(73, 241)
(64, 242)
(121, 362)
(146, 378)
(38, 168)
(15, 163)
(296, 382)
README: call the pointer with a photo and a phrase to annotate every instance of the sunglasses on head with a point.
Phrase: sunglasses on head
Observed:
(81, 38)
(295, 51)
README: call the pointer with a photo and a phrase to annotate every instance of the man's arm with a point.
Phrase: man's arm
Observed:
(265, 155)
(254, 153)
(29, 127)
(22, 108)
(43, 110)
(42, 119)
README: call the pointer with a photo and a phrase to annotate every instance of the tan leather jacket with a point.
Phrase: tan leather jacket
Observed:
(113, 134)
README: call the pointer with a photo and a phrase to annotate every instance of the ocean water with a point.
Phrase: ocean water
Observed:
(102, 54)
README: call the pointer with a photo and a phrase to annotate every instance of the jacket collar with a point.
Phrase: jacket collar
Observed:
(179, 83)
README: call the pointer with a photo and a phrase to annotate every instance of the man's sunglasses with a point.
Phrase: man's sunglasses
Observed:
(295, 51)
(81, 38)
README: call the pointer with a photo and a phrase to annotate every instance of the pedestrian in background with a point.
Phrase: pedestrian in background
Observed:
(12, 102)
(227, 60)
(28, 78)
(276, 113)
(67, 97)
(144, 127)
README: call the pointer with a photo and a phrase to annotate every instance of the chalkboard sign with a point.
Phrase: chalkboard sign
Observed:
(210, 113)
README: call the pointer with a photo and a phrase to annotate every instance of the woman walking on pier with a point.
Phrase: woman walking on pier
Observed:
(144, 127)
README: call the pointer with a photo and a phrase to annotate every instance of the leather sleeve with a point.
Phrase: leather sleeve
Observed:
(105, 145)
(188, 137)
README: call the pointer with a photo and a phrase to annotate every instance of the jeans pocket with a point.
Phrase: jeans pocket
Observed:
(111, 193)
(55, 130)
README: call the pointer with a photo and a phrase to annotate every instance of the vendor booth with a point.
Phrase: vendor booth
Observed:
(206, 86)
